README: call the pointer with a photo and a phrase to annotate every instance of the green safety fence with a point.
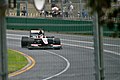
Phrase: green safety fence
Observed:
(57, 25)
(48, 24)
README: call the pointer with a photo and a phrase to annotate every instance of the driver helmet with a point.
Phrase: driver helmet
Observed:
(41, 32)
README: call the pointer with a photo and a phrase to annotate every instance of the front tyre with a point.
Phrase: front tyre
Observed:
(24, 42)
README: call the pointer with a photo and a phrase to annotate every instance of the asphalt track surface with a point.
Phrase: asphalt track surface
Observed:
(74, 62)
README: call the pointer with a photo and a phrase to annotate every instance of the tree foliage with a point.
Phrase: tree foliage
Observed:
(114, 18)
(101, 7)
(108, 12)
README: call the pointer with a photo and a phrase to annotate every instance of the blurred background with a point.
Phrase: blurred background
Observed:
(63, 9)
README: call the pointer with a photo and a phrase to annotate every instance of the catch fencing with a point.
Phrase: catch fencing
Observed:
(78, 48)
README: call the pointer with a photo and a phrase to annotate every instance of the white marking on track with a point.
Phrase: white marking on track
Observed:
(68, 65)
(16, 35)
(88, 42)
(13, 38)
(113, 52)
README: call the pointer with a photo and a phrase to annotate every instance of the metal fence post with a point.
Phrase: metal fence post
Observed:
(26, 2)
(80, 9)
(3, 48)
(98, 49)
(18, 8)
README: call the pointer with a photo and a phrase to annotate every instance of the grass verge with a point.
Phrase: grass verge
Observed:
(16, 61)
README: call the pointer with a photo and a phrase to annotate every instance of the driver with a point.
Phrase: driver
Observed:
(41, 34)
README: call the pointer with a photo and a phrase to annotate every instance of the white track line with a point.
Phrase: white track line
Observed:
(88, 42)
(113, 52)
(68, 65)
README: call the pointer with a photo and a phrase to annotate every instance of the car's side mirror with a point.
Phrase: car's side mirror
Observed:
(39, 4)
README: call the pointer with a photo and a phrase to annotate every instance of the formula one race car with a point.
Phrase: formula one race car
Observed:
(37, 39)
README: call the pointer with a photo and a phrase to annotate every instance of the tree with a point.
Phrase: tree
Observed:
(106, 10)
(99, 7)
(113, 21)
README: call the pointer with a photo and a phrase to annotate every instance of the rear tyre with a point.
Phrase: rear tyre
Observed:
(24, 42)
(29, 48)
(57, 42)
